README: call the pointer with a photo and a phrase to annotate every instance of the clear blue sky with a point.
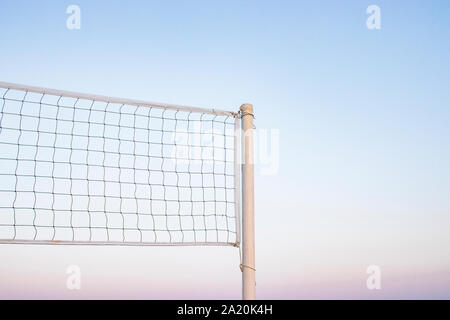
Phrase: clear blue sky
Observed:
(363, 116)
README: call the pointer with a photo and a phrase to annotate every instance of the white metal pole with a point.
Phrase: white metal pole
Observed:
(248, 206)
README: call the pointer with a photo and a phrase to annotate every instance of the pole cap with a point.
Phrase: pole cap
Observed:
(246, 109)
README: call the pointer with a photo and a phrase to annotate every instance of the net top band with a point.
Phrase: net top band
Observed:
(139, 103)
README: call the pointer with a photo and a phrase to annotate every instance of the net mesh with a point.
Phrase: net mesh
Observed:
(78, 170)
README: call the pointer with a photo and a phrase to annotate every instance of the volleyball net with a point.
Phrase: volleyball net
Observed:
(86, 169)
